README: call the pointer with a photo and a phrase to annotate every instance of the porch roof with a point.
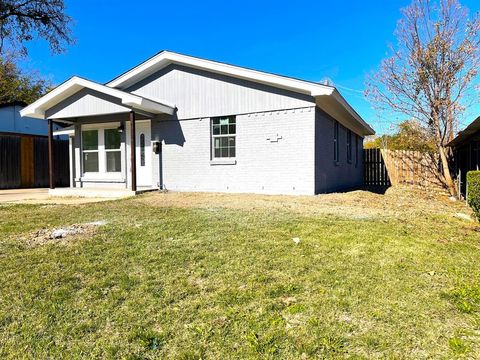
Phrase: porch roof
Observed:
(72, 86)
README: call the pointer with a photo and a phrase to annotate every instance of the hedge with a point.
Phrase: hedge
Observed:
(473, 191)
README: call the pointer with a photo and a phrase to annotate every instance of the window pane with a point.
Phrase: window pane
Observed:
(90, 139)
(90, 162)
(223, 146)
(142, 150)
(114, 162)
(112, 139)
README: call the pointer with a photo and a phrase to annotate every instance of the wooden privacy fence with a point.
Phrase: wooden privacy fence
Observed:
(375, 170)
(393, 167)
(24, 162)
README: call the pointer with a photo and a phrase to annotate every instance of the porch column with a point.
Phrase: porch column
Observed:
(133, 158)
(50, 154)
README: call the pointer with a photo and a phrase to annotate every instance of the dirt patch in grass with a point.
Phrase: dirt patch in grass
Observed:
(62, 235)
(402, 202)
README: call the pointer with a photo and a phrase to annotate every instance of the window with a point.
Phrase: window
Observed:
(223, 137)
(356, 150)
(349, 146)
(113, 153)
(142, 149)
(102, 151)
(335, 143)
(90, 150)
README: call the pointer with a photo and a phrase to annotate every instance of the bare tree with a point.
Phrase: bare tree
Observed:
(429, 75)
(22, 20)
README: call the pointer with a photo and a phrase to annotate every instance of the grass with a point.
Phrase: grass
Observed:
(216, 282)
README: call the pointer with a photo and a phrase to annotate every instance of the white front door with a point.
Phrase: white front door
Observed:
(144, 153)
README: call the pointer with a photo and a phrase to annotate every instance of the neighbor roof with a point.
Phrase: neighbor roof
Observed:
(464, 135)
(75, 84)
(165, 58)
(13, 103)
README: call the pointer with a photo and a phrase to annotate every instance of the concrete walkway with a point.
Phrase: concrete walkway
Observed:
(40, 196)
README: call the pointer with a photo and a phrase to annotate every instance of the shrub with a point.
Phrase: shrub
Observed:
(473, 192)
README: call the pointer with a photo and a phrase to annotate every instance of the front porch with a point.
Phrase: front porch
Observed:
(110, 136)
(95, 192)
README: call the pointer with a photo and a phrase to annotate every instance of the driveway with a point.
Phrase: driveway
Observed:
(40, 196)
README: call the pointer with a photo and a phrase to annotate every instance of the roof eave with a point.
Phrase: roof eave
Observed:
(74, 84)
(165, 58)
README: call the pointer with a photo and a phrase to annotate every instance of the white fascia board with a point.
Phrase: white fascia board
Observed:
(148, 105)
(70, 131)
(164, 58)
(340, 99)
(157, 107)
(73, 85)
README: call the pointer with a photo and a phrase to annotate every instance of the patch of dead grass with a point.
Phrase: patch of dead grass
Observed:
(400, 202)
(62, 236)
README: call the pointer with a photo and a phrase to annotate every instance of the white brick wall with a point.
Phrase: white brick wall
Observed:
(283, 167)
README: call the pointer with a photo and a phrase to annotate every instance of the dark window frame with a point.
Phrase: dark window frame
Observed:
(336, 149)
(356, 150)
(349, 146)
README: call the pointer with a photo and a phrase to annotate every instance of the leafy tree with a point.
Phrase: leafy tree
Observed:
(17, 86)
(22, 20)
(429, 73)
(410, 135)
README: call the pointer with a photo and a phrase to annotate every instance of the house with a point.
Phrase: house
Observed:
(182, 123)
(23, 150)
(12, 123)
(466, 151)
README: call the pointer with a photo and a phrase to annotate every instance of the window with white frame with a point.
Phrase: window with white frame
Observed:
(90, 150)
(223, 137)
(113, 154)
(101, 151)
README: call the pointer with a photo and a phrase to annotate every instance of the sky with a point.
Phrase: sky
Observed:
(342, 40)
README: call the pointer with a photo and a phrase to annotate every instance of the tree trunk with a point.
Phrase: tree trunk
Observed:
(446, 171)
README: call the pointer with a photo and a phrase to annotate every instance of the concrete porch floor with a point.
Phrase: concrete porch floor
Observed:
(41, 196)
(107, 193)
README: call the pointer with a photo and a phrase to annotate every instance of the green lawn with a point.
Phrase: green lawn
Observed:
(204, 280)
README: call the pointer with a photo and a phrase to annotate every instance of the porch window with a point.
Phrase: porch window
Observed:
(113, 153)
(224, 137)
(90, 150)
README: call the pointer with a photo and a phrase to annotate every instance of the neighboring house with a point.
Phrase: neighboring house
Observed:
(23, 150)
(466, 150)
(12, 123)
(182, 123)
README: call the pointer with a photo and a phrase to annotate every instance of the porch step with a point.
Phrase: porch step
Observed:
(95, 192)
